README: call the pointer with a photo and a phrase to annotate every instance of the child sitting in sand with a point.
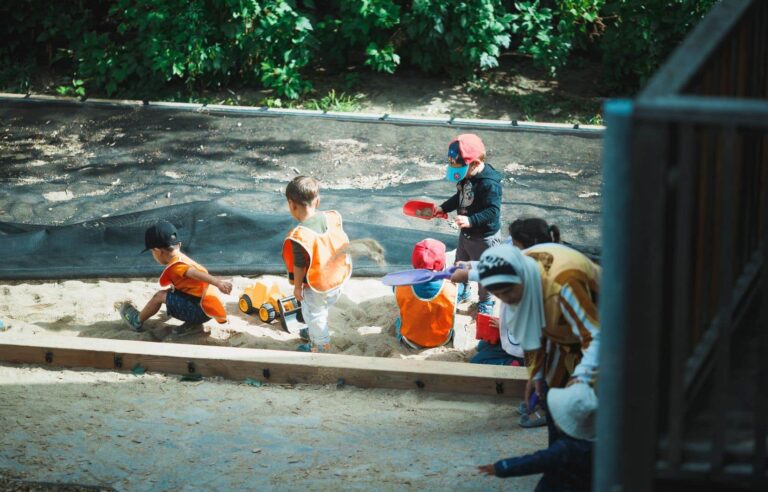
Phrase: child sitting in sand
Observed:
(315, 254)
(427, 310)
(189, 299)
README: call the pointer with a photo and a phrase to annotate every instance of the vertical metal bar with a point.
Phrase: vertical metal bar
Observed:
(635, 168)
(761, 385)
(608, 469)
(681, 322)
(726, 300)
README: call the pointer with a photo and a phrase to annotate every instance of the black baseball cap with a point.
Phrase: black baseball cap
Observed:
(161, 235)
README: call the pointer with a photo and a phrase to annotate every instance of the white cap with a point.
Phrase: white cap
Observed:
(574, 410)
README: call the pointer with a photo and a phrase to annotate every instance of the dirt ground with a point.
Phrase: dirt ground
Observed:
(154, 432)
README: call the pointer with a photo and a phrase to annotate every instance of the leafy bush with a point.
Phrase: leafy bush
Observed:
(640, 34)
(353, 28)
(142, 48)
(456, 36)
(549, 35)
(196, 42)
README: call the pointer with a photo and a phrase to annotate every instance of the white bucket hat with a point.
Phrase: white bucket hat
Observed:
(574, 410)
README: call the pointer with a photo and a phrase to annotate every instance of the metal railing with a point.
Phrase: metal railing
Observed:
(683, 388)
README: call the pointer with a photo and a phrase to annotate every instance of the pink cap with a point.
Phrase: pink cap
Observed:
(429, 254)
(471, 148)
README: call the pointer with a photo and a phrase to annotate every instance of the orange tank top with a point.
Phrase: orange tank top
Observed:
(427, 322)
(329, 264)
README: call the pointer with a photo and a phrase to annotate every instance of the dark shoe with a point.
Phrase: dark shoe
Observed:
(535, 419)
(130, 316)
(186, 328)
(304, 334)
(310, 347)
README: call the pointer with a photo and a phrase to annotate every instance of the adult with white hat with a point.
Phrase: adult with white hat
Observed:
(567, 463)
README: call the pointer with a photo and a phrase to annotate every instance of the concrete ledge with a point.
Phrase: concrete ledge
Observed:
(505, 125)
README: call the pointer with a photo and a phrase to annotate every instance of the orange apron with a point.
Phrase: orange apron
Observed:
(427, 322)
(329, 263)
(209, 301)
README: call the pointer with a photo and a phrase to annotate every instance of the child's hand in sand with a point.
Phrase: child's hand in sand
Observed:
(297, 292)
(486, 469)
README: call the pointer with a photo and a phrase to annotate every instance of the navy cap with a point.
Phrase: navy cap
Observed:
(161, 235)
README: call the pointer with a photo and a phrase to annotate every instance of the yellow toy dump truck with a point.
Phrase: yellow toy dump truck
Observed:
(269, 300)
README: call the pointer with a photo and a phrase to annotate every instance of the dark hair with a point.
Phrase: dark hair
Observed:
(532, 231)
(303, 189)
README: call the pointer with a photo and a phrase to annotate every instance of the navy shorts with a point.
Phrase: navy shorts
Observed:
(185, 307)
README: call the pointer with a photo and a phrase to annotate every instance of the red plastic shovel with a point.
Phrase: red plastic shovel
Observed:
(422, 210)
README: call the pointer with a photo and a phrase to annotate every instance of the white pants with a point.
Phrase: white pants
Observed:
(315, 308)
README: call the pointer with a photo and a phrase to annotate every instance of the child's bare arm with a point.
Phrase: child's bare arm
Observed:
(298, 282)
(223, 285)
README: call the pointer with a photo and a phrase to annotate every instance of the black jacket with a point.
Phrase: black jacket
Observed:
(479, 198)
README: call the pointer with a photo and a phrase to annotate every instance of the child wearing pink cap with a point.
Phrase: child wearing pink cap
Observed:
(477, 202)
(427, 310)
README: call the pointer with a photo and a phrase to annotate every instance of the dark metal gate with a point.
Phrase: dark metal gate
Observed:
(684, 355)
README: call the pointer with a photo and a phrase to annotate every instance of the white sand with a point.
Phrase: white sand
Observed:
(361, 322)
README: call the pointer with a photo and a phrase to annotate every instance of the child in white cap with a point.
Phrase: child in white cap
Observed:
(567, 463)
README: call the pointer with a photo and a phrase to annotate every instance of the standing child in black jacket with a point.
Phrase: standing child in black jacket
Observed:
(477, 202)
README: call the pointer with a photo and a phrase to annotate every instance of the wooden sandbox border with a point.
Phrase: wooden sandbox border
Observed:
(267, 366)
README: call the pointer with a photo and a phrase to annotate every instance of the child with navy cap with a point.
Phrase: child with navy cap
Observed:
(189, 297)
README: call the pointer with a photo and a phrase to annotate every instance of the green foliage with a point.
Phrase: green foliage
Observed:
(351, 28)
(333, 102)
(148, 48)
(456, 36)
(77, 88)
(549, 35)
(197, 42)
(640, 34)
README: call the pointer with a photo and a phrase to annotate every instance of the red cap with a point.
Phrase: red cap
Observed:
(429, 254)
(471, 148)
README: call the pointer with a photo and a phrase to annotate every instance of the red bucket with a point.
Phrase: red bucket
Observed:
(483, 329)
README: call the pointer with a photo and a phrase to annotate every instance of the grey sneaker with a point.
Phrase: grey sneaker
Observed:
(130, 316)
(535, 419)
(187, 328)
(522, 408)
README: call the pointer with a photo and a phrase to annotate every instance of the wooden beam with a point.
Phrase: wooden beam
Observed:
(269, 366)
